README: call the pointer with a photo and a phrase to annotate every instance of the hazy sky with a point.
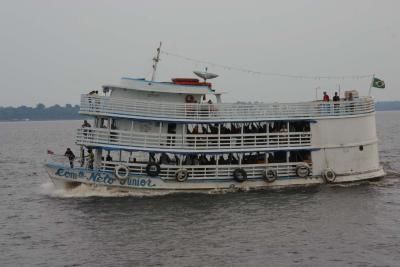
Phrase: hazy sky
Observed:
(52, 51)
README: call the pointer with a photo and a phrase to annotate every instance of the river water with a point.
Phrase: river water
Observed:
(351, 225)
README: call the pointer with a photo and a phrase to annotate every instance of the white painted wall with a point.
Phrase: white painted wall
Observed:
(340, 131)
(340, 140)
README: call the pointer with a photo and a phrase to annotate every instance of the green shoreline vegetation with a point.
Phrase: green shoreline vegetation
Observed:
(69, 112)
(40, 112)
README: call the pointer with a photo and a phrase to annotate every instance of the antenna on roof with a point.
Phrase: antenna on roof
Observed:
(156, 59)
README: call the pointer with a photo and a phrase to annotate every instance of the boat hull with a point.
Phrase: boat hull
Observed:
(65, 177)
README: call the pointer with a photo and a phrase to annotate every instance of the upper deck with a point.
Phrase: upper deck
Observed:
(220, 112)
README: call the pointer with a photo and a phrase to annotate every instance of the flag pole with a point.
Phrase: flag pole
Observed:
(370, 86)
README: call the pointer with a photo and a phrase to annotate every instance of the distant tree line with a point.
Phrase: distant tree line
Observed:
(388, 105)
(40, 112)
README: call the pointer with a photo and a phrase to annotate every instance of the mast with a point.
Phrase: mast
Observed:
(156, 59)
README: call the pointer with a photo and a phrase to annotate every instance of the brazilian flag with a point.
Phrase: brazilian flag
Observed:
(377, 83)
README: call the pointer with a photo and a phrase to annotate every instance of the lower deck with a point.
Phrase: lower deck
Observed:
(64, 176)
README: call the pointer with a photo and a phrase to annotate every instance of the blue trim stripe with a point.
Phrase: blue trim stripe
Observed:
(185, 121)
(198, 152)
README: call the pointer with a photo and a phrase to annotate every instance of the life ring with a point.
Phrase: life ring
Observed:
(303, 170)
(153, 169)
(329, 175)
(240, 175)
(125, 172)
(181, 175)
(270, 175)
(189, 99)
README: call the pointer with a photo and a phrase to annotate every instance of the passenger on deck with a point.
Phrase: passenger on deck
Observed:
(351, 105)
(211, 107)
(271, 158)
(108, 158)
(164, 159)
(232, 159)
(212, 161)
(195, 129)
(195, 160)
(214, 129)
(326, 97)
(350, 98)
(203, 160)
(221, 160)
(177, 160)
(187, 161)
(283, 129)
(90, 158)
(152, 157)
(225, 130)
(85, 124)
(70, 155)
(336, 97)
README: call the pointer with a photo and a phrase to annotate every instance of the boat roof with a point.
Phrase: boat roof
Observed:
(141, 84)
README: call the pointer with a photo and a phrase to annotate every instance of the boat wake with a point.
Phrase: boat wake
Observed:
(390, 179)
(84, 191)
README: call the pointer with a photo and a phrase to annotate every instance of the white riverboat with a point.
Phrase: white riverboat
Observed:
(179, 135)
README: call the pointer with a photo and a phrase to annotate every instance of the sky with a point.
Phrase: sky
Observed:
(53, 51)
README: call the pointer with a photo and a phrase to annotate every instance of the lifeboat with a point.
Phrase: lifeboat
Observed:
(190, 81)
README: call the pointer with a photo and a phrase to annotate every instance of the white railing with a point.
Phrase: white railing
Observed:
(192, 142)
(115, 106)
(199, 172)
(196, 172)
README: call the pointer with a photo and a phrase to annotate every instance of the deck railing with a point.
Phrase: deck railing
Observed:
(201, 172)
(196, 172)
(116, 106)
(192, 142)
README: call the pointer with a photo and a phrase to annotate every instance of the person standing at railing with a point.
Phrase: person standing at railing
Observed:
(326, 97)
(85, 124)
(92, 93)
(90, 158)
(350, 98)
(336, 98)
(211, 107)
(326, 107)
(108, 158)
(71, 156)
